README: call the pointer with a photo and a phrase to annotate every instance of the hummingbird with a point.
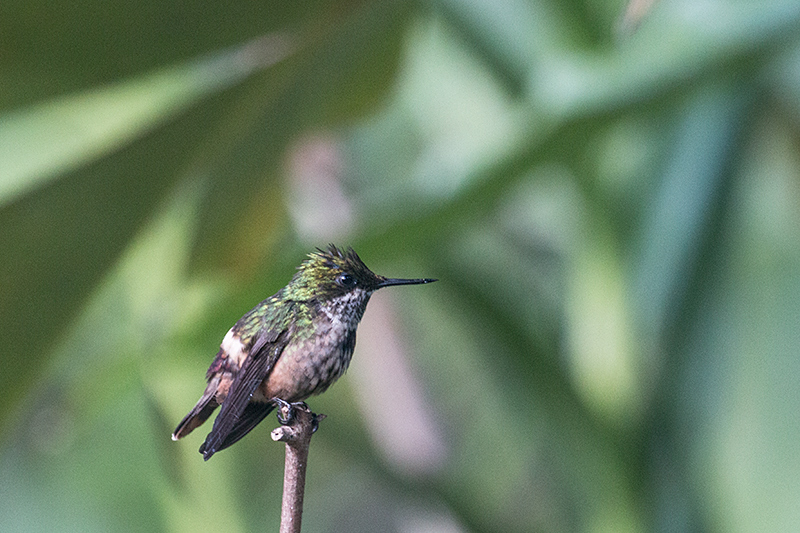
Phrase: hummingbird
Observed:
(292, 345)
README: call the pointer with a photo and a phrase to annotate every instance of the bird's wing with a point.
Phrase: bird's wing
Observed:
(200, 413)
(254, 412)
(256, 366)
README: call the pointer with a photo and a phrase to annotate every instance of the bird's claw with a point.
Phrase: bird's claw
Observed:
(285, 411)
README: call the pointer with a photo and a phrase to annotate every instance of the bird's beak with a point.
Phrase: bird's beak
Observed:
(388, 282)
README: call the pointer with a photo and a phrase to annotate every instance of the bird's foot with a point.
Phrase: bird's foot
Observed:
(286, 413)
(285, 410)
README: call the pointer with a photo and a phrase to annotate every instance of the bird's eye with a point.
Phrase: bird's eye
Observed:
(346, 280)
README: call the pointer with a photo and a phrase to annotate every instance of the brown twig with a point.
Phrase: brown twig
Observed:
(297, 436)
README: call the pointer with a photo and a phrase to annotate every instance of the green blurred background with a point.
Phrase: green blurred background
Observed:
(608, 193)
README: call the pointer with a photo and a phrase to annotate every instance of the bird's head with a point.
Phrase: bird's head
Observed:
(334, 272)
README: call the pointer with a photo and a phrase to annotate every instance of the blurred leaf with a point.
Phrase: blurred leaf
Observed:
(56, 137)
(739, 396)
(681, 210)
(63, 237)
(55, 49)
(678, 45)
(506, 38)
